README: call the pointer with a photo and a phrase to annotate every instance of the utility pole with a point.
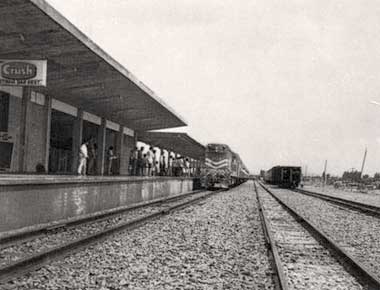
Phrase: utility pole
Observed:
(364, 158)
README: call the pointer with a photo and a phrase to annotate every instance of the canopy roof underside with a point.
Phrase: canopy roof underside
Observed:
(177, 142)
(79, 72)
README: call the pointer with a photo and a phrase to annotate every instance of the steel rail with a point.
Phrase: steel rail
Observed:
(21, 237)
(280, 278)
(35, 261)
(359, 206)
(361, 271)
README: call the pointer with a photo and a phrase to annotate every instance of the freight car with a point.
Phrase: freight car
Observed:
(223, 167)
(284, 176)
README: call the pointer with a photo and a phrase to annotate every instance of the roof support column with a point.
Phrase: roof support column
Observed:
(101, 147)
(25, 103)
(77, 139)
(171, 153)
(48, 101)
(191, 166)
(120, 151)
(166, 161)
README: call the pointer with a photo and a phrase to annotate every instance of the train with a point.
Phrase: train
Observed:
(284, 176)
(223, 167)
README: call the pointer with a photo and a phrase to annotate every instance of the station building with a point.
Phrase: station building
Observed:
(86, 95)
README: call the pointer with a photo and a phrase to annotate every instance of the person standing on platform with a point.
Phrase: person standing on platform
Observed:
(187, 167)
(184, 167)
(145, 165)
(191, 168)
(111, 157)
(149, 156)
(91, 168)
(181, 166)
(170, 165)
(198, 170)
(140, 165)
(153, 169)
(133, 161)
(156, 161)
(135, 157)
(130, 163)
(176, 166)
(83, 155)
(162, 164)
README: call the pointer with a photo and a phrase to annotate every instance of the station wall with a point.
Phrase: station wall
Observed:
(35, 130)
(15, 95)
(36, 134)
(32, 149)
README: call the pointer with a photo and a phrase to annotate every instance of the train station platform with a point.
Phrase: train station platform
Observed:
(38, 200)
(82, 94)
(71, 92)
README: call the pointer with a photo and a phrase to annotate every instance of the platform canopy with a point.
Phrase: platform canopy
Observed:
(79, 72)
(180, 143)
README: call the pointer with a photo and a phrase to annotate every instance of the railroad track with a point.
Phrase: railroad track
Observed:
(302, 255)
(23, 253)
(363, 207)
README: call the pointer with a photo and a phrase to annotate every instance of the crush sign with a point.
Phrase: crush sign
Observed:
(23, 72)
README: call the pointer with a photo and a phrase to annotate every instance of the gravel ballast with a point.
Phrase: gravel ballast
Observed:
(370, 198)
(356, 232)
(218, 244)
(307, 264)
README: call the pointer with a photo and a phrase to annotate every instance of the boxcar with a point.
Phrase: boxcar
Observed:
(284, 176)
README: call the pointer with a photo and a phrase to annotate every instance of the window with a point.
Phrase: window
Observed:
(4, 111)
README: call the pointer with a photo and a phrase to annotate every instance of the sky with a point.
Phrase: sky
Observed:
(281, 82)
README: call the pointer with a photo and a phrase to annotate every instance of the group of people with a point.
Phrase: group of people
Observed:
(155, 163)
(87, 164)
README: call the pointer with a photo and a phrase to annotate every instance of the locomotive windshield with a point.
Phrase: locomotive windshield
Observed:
(216, 156)
(217, 152)
(216, 148)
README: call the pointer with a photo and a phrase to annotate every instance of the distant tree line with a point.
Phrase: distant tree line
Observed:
(353, 176)
(377, 176)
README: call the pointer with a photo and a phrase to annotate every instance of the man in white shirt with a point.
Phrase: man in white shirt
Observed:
(187, 167)
(156, 162)
(83, 155)
(150, 156)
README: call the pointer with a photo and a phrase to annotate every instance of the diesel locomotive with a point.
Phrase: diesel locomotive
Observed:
(284, 176)
(223, 167)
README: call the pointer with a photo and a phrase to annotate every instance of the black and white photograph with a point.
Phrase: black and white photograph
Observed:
(189, 145)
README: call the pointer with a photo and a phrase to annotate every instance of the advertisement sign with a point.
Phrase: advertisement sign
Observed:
(15, 72)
